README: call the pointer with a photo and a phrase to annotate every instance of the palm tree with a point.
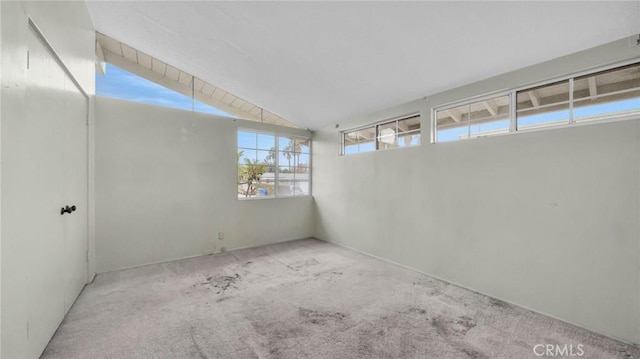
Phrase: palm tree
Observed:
(270, 159)
(287, 152)
(293, 149)
(249, 174)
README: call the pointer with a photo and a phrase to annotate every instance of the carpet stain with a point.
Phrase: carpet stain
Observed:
(319, 317)
(307, 263)
(223, 299)
(472, 353)
(197, 347)
(446, 326)
(278, 336)
(440, 325)
(499, 303)
(416, 310)
(221, 283)
(466, 323)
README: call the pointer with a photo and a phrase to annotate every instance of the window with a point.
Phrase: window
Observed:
(118, 83)
(543, 106)
(605, 95)
(475, 119)
(271, 165)
(610, 94)
(293, 166)
(362, 140)
(402, 132)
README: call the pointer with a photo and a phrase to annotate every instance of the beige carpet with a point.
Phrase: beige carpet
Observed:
(302, 299)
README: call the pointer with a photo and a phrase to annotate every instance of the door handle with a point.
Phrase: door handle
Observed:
(67, 209)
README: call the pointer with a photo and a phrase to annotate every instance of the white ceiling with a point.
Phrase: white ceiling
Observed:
(320, 63)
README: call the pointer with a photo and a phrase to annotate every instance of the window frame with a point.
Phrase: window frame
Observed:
(466, 102)
(513, 92)
(276, 164)
(375, 126)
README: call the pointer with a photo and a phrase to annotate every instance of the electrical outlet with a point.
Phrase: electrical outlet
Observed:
(221, 235)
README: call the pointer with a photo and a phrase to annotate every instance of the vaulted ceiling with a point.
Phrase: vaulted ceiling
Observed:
(320, 63)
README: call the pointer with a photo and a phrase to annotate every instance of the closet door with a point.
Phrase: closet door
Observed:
(52, 174)
(74, 191)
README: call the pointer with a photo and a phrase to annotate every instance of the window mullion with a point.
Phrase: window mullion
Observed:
(571, 101)
(434, 126)
(513, 123)
(276, 170)
(469, 121)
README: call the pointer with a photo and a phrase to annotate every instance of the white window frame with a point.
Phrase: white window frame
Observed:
(277, 136)
(468, 101)
(512, 93)
(377, 135)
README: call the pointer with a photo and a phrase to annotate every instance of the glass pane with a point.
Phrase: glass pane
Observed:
(489, 128)
(286, 158)
(266, 142)
(350, 149)
(118, 83)
(303, 145)
(247, 139)
(367, 139)
(241, 170)
(241, 189)
(409, 139)
(477, 119)
(350, 142)
(409, 132)
(266, 185)
(300, 170)
(285, 143)
(269, 169)
(387, 135)
(607, 95)
(300, 188)
(266, 157)
(285, 185)
(489, 117)
(302, 176)
(360, 140)
(543, 106)
(303, 159)
(452, 124)
(245, 155)
(251, 181)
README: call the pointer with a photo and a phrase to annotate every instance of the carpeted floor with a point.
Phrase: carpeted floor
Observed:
(302, 299)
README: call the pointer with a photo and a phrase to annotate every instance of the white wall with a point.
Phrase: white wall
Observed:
(166, 185)
(547, 220)
(68, 28)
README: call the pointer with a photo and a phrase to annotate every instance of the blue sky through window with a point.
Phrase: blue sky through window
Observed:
(118, 83)
(580, 112)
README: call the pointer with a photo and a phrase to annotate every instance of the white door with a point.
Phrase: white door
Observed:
(74, 190)
(47, 170)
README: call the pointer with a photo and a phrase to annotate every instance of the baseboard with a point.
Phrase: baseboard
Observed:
(479, 292)
(197, 256)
